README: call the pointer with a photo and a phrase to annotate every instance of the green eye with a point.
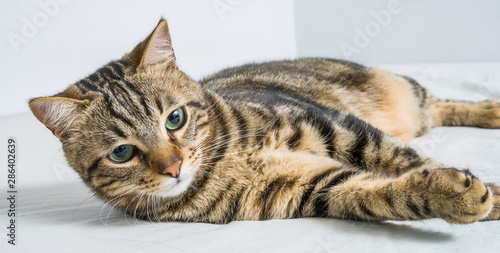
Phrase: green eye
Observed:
(122, 153)
(175, 120)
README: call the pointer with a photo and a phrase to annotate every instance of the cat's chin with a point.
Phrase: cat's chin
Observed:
(172, 187)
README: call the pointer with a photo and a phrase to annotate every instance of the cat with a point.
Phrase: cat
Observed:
(285, 139)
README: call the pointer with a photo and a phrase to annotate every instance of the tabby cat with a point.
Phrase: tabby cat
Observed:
(278, 140)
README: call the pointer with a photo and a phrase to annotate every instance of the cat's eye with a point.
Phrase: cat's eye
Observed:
(122, 153)
(175, 120)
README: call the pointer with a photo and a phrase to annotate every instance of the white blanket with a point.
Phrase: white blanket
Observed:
(55, 212)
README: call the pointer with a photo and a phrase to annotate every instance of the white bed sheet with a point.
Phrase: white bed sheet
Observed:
(55, 212)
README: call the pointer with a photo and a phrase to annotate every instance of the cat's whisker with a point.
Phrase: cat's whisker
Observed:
(134, 217)
(143, 204)
(151, 207)
(211, 107)
(81, 203)
(130, 202)
(109, 202)
(147, 207)
(121, 198)
(205, 172)
(155, 208)
(127, 191)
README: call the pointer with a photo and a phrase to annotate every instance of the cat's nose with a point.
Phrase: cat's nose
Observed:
(173, 169)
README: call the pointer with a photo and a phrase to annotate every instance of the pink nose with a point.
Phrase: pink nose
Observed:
(173, 169)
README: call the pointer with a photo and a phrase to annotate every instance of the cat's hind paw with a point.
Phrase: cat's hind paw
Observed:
(489, 114)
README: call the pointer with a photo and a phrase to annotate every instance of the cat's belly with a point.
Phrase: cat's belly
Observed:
(399, 113)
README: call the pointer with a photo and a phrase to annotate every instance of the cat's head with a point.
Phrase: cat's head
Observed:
(134, 127)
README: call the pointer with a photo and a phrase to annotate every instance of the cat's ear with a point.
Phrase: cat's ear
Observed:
(156, 51)
(56, 113)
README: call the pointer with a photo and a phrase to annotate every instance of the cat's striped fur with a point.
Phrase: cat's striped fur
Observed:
(286, 139)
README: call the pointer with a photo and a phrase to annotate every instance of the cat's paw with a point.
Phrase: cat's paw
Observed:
(495, 212)
(456, 195)
(489, 113)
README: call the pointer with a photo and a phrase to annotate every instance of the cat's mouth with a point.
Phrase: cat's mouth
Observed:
(178, 181)
(173, 187)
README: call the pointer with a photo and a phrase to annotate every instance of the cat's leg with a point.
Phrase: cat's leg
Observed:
(435, 112)
(361, 145)
(485, 114)
(453, 195)
(317, 186)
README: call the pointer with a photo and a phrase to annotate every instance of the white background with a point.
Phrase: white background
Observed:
(83, 35)
(420, 31)
(62, 41)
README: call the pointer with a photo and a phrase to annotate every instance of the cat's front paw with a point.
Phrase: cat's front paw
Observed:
(495, 211)
(456, 195)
